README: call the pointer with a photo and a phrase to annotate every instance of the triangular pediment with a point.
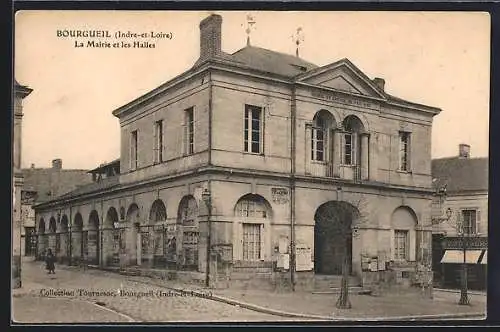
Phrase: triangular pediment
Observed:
(343, 76)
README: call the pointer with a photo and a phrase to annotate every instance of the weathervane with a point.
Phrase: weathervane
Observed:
(298, 38)
(250, 23)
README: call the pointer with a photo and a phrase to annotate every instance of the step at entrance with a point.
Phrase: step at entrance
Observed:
(331, 282)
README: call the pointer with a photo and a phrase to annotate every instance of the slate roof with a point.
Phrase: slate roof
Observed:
(103, 184)
(272, 62)
(49, 183)
(460, 174)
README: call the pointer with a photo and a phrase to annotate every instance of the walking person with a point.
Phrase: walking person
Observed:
(49, 261)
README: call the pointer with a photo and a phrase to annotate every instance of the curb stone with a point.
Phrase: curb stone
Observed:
(202, 293)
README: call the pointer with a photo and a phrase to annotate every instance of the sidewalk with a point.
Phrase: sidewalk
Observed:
(410, 305)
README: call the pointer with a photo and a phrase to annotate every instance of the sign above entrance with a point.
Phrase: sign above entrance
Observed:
(329, 96)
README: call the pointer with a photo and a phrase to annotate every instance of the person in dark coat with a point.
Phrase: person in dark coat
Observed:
(49, 261)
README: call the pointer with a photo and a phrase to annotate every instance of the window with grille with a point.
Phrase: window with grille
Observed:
(253, 129)
(133, 149)
(469, 221)
(189, 130)
(251, 207)
(400, 245)
(404, 151)
(158, 145)
(251, 242)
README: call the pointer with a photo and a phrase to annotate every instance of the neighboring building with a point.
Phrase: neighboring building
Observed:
(463, 183)
(20, 92)
(40, 185)
(247, 164)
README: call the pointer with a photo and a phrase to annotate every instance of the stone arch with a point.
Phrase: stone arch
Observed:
(78, 222)
(321, 136)
(158, 212)
(356, 123)
(91, 237)
(112, 239)
(133, 213)
(324, 119)
(64, 225)
(64, 237)
(333, 236)
(76, 236)
(253, 206)
(252, 212)
(186, 243)
(41, 226)
(111, 218)
(403, 241)
(52, 225)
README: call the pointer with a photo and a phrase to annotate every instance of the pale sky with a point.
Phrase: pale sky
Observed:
(437, 59)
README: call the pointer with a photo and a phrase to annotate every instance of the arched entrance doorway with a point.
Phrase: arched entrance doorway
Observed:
(92, 239)
(64, 239)
(111, 239)
(42, 239)
(133, 239)
(76, 235)
(52, 236)
(333, 237)
(188, 234)
(152, 235)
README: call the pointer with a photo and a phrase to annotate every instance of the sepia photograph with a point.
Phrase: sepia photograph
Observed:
(249, 166)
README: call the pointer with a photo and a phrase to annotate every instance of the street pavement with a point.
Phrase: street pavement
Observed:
(67, 297)
(142, 299)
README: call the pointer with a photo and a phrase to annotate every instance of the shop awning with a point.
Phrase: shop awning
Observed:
(485, 257)
(457, 256)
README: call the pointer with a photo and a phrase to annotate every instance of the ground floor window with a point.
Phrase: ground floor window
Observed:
(400, 245)
(251, 242)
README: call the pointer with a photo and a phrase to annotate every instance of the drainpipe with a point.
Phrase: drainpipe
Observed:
(293, 110)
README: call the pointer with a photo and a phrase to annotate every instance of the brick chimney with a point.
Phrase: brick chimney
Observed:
(210, 37)
(463, 151)
(57, 164)
(379, 82)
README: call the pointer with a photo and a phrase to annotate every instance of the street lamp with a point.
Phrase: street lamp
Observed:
(207, 198)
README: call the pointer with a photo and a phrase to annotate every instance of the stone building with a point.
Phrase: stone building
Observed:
(42, 184)
(20, 92)
(461, 206)
(244, 168)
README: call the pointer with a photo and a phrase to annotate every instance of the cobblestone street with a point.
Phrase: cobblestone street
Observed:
(35, 302)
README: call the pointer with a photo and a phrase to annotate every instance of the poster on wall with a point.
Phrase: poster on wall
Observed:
(303, 261)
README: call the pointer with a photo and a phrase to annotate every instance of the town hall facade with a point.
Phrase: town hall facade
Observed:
(257, 166)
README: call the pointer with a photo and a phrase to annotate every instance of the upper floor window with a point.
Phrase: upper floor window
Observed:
(349, 149)
(253, 129)
(469, 218)
(189, 130)
(158, 145)
(133, 149)
(404, 151)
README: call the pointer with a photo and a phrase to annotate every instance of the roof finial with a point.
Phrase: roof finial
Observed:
(250, 23)
(298, 38)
